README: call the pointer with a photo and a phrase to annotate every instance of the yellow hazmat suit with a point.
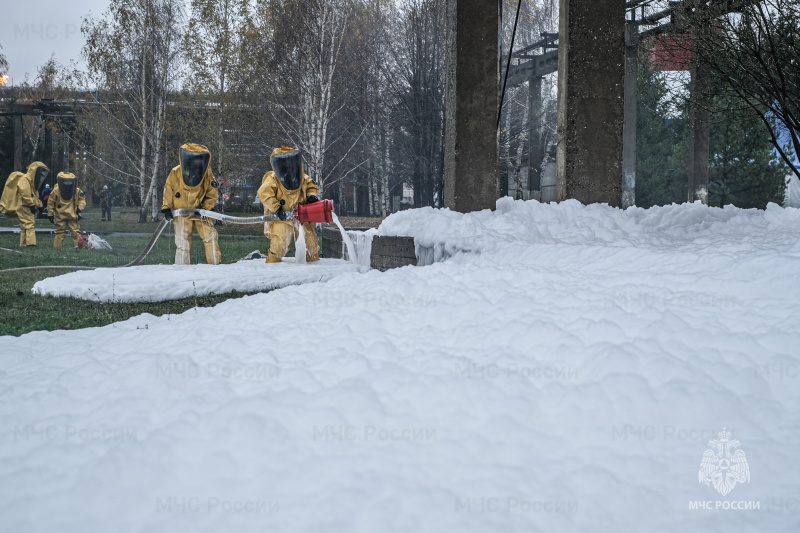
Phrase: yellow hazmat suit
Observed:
(66, 202)
(21, 198)
(279, 189)
(191, 185)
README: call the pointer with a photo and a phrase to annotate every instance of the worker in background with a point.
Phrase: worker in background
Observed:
(191, 185)
(44, 197)
(281, 191)
(64, 208)
(106, 198)
(21, 199)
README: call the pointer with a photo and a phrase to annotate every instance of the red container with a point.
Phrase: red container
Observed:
(319, 212)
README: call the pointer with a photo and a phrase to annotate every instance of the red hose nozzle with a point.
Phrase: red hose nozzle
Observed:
(319, 212)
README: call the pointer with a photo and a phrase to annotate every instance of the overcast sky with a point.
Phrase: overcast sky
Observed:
(33, 30)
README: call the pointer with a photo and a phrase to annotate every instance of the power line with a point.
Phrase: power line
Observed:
(86, 151)
(508, 65)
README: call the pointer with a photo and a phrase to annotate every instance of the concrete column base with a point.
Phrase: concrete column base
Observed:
(591, 73)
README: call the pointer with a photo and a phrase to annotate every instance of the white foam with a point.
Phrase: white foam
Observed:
(561, 369)
(155, 283)
(352, 256)
(300, 245)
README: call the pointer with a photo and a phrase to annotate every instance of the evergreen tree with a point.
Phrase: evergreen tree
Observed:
(744, 170)
(661, 137)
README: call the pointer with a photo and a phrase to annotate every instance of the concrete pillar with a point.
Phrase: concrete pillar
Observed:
(699, 114)
(535, 151)
(505, 167)
(70, 153)
(48, 145)
(591, 72)
(18, 143)
(62, 140)
(629, 126)
(471, 101)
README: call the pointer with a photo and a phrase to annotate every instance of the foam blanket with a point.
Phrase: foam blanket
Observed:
(558, 368)
(156, 283)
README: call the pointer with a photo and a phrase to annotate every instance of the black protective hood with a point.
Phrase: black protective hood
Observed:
(41, 176)
(66, 187)
(289, 169)
(194, 166)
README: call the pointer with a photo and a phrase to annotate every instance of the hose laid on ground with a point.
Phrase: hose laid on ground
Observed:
(156, 234)
(202, 213)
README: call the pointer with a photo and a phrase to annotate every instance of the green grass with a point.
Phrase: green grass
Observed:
(22, 312)
(123, 250)
(126, 220)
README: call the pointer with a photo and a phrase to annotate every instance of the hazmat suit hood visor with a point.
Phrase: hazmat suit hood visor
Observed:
(66, 186)
(194, 166)
(40, 177)
(289, 169)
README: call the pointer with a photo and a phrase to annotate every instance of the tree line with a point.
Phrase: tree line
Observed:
(356, 85)
(359, 87)
(752, 57)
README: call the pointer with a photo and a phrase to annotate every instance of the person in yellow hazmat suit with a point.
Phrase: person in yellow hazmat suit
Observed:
(281, 191)
(191, 185)
(64, 208)
(21, 198)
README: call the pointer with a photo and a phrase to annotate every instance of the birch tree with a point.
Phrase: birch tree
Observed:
(377, 100)
(320, 53)
(417, 81)
(212, 45)
(302, 41)
(357, 149)
(133, 54)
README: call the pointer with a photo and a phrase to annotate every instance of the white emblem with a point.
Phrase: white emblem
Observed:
(724, 468)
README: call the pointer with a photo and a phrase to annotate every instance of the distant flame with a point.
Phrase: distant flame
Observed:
(3, 79)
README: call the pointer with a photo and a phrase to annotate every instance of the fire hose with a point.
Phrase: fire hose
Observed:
(318, 212)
